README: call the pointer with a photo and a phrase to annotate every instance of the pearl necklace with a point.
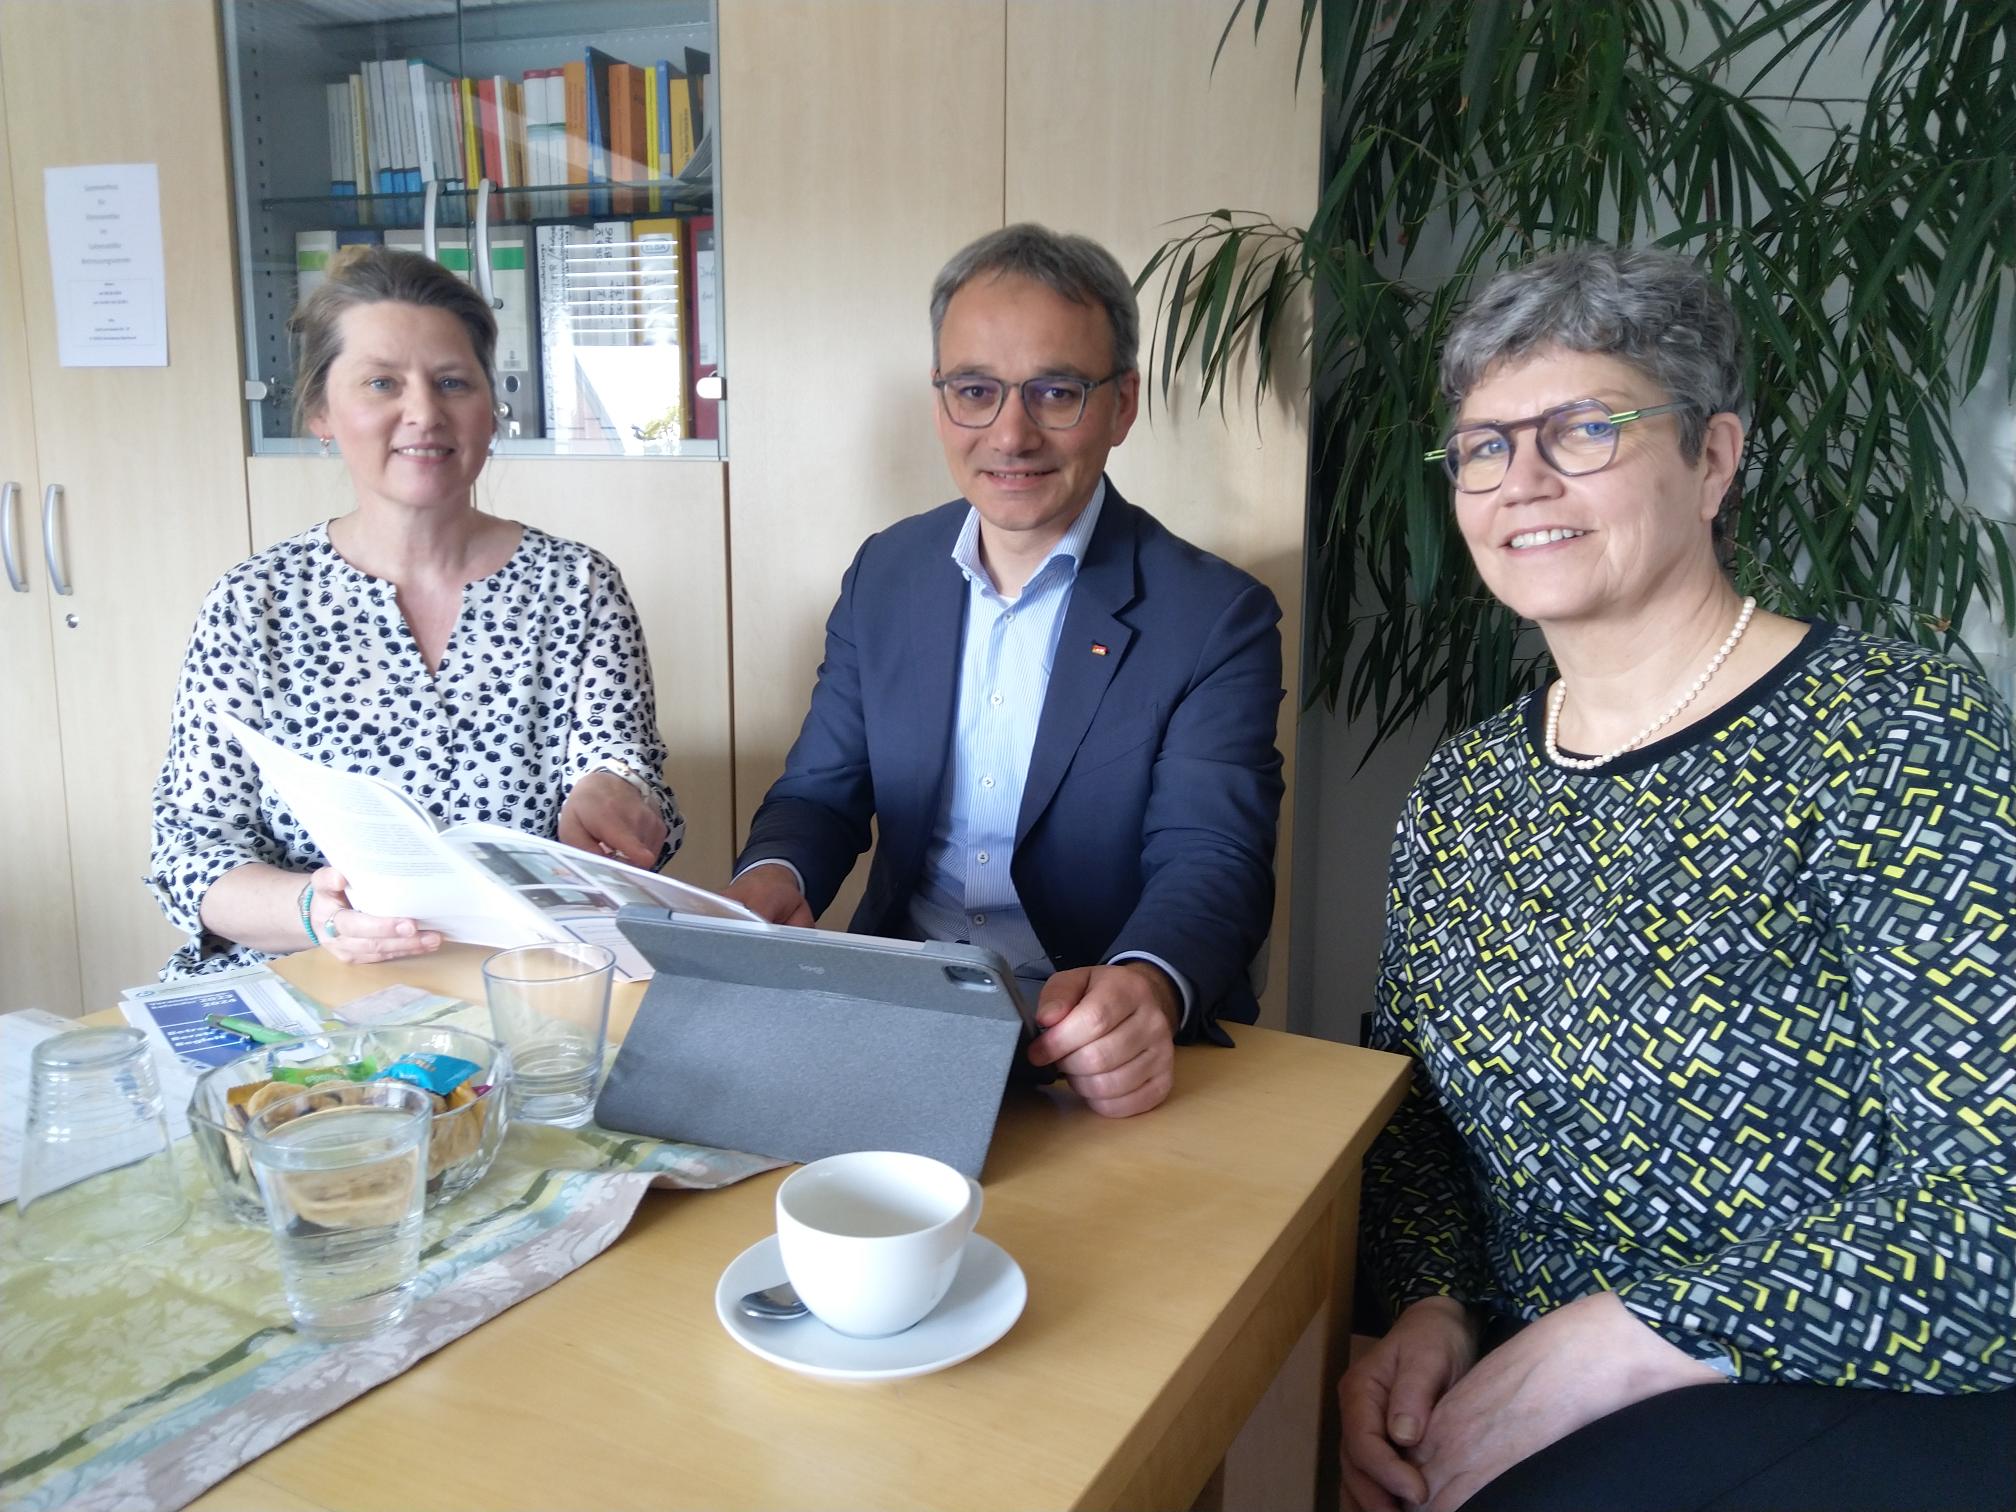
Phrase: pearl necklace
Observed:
(1559, 696)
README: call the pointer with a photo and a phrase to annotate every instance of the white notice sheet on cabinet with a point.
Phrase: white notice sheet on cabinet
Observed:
(105, 258)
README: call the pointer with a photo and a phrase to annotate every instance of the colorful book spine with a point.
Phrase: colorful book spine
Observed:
(545, 143)
(425, 152)
(402, 133)
(360, 145)
(312, 251)
(342, 169)
(598, 65)
(511, 122)
(375, 129)
(559, 397)
(626, 145)
(574, 117)
(679, 100)
(654, 116)
(439, 145)
(472, 131)
(489, 128)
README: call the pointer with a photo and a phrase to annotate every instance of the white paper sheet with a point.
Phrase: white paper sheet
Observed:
(105, 259)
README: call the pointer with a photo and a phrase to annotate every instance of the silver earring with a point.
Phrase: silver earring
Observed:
(325, 446)
(493, 443)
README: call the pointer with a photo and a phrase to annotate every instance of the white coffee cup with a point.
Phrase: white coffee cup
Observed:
(872, 1240)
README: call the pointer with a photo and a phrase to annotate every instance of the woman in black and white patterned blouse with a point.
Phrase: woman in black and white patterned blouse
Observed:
(490, 670)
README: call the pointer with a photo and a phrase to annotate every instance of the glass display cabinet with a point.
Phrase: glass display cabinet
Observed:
(559, 154)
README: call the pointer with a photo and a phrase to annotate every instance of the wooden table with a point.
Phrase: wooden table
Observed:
(1173, 1260)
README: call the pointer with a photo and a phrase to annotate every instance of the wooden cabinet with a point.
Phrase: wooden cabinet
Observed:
(461, 110)
(38, 920)
(150, 464)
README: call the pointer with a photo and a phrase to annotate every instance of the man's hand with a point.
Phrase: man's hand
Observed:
(1112, 1031)
(771, 893)
(1577, 1364)
(1387, 1397)
(605, 816)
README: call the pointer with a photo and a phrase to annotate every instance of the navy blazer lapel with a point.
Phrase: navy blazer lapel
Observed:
(929, 652)
(1090, 649)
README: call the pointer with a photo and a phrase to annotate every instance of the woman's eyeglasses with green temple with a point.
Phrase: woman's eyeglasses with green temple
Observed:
(1574, 438)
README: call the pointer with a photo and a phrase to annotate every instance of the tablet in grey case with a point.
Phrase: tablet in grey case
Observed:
(800, 1043)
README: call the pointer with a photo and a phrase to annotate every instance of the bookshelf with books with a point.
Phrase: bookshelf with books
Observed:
(572, 141)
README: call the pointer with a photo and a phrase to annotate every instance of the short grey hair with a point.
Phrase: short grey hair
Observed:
(1076, 267)
(1656, 311)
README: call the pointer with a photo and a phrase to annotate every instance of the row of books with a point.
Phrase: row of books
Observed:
(605, 331)
(397, 124)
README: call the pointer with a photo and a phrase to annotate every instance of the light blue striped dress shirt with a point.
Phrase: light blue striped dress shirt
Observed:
(966, 892)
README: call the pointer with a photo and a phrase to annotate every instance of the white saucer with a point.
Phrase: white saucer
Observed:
(985, 1300)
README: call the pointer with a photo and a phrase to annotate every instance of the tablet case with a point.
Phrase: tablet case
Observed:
(800, 1043)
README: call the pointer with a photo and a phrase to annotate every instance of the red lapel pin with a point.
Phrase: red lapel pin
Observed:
(1097, 649)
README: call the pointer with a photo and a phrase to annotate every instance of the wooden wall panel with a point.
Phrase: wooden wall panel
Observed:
(861, 146)
(151, 459)
(1117, 126)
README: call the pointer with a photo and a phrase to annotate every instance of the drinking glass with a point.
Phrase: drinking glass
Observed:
(97, 1169)
(343, 1169)
(549, 1004)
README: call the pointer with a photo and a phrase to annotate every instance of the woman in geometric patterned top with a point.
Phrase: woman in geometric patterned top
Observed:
(1705, 955)
(489, 670)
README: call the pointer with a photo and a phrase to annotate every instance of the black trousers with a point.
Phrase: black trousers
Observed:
(1750, 1448)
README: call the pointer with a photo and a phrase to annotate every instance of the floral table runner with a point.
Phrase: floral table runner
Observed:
(141, 1382)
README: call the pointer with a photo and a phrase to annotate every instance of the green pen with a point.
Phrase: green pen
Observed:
(252, 1029)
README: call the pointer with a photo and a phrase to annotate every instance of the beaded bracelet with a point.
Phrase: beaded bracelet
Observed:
(307, 904)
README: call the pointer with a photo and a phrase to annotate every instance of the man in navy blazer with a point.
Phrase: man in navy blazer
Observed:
(1059, 716)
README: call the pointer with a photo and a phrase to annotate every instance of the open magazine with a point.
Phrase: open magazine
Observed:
(473, 881)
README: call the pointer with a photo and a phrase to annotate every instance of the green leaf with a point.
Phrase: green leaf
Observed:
(1490, 24)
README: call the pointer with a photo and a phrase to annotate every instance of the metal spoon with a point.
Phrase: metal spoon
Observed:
(777, 1303)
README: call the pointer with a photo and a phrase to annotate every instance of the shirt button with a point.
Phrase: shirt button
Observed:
(1009, 615)
(987, 782)
(979, 918)
(995, 699)
(981, 858)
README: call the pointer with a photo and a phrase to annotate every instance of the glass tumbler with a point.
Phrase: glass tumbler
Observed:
(343, 1168)
(549, 1004)
(97, 1169)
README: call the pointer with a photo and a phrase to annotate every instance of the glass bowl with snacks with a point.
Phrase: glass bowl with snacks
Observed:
(467, 1075)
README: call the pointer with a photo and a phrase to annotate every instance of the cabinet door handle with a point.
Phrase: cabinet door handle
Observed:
(52, 496)
(10, 505)
(430, 243)
(483, 188)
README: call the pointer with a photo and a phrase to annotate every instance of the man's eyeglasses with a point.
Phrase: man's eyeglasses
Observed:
(1054, 403)
(1574, 438)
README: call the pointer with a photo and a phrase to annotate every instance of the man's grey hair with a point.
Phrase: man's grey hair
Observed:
(1656, 311)
(1074, 266)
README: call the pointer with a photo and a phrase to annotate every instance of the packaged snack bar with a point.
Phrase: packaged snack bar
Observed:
(439, 1074)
